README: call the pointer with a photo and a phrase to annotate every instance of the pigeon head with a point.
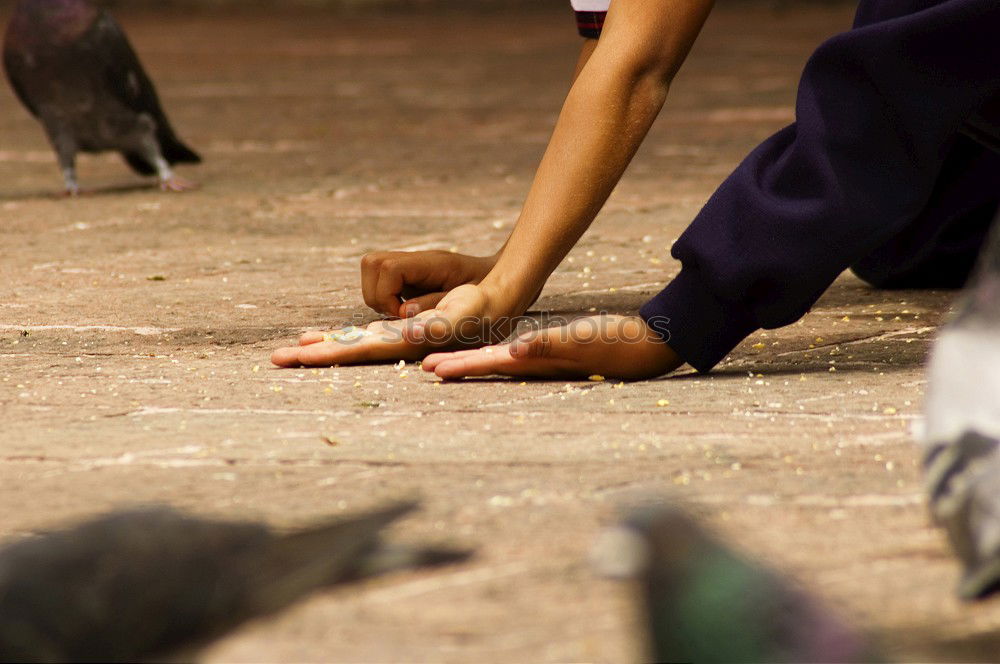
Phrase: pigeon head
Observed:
(51, 21)
(697, 597)
(51, 6)
(651, 533)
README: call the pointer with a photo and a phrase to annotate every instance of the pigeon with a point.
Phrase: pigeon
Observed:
(704, 603)
(72, 66)
(153, 583)
(961, 432)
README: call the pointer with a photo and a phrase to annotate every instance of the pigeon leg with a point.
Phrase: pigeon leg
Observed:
(66, 155)
(168, 180)
(142, 142)
(149, 148)
(69, 177)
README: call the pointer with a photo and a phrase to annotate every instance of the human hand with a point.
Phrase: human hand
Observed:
(468, 316)
(463, 319)
(611, 346)
(421, 278)
(381, 341)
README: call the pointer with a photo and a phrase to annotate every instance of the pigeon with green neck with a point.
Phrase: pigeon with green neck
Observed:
(702, 602)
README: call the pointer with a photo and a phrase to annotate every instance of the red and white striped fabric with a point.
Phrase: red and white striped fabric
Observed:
(590, 16)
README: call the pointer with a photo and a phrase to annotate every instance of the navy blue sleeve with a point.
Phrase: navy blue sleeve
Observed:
(878, 109)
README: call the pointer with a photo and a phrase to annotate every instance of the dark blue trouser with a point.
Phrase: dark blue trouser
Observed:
(878, 172)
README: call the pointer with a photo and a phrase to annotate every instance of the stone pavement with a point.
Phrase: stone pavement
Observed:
(135, 329)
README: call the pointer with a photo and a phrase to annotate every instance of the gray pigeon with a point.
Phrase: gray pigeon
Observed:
(704, 603)
(71, 65)
(154, 583)
(962, 427)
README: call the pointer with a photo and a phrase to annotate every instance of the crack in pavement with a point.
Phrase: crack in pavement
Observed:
(861, 340)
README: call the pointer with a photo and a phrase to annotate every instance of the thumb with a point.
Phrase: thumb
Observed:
(415, 305)
(456, 311)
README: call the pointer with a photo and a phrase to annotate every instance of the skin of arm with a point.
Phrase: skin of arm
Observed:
(404, 283)
(620, 85)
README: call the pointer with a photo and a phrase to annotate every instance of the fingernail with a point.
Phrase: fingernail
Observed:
(411, 310)
(418, 331)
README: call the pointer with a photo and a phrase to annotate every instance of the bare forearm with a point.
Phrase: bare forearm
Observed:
(614, 100)
(602, 124)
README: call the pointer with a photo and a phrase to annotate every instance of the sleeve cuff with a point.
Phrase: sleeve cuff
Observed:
(590, 23)
(701, 328)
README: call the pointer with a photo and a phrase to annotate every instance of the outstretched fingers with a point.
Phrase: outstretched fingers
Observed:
(323, 354)
(524, 357)
(289, 355)
(480, 362)
(310, 337)
(380, 341)
(606, 345)
(434, 359)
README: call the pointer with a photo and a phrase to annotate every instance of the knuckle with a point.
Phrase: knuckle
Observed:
(390, 264)
(371, 261)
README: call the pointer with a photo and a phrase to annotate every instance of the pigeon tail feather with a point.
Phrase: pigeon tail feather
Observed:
(176, 152)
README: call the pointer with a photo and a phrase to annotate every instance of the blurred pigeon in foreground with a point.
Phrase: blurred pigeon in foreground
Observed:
(962, 427)
(156, 584)
(706, 604)
(73, 68)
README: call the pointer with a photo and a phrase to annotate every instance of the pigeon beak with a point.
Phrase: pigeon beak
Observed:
(620, 553)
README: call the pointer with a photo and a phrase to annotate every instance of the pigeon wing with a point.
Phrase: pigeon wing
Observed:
(14, 66)
(129, 84)
(126, 79)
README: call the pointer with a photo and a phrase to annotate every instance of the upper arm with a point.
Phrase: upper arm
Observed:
(652, 37)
